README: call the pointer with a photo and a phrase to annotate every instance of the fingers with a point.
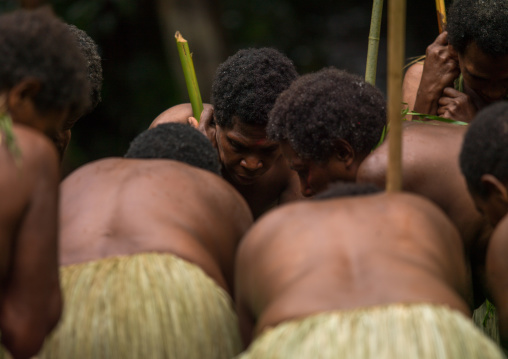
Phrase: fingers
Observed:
(193, 122)
(442, 39)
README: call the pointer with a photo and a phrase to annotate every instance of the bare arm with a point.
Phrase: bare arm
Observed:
(410, 85)
(497, 269)
(31, 302)
(181, 113)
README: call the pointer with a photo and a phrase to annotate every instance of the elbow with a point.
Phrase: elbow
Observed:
(24, 331)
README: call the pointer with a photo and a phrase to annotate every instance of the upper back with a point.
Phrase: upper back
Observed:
(124, 206)
(351, 252)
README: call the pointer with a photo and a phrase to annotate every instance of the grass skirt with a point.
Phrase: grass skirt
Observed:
(143, 306)
(416, 331)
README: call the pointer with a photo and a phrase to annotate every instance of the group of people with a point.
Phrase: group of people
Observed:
(261, 230)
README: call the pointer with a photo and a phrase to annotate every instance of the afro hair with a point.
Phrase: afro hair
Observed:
(247, 84)
(484, 22)
(321, 108)
(89, 49)
(176, 141)
(36, 44)
(485, 147)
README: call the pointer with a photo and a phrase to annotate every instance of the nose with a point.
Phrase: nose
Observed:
(251, 163)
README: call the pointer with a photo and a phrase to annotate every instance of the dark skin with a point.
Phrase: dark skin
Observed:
(494, 206)
(428, 87)
(409, 253)
(250, 162)
(152, 205)
(434, 172)
(496, 275)
(315, 176)
(30, 292)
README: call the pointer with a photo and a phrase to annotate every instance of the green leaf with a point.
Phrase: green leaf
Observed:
(7, 136)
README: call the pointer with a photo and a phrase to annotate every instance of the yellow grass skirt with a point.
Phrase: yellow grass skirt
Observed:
(149, 306)
(416, 331)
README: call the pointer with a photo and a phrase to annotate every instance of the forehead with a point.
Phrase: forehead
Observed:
(248, 134)
(480, 63)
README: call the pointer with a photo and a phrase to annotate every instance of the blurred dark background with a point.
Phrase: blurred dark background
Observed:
(142, 74)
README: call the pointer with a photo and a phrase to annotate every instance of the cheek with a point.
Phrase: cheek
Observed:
(317, 179)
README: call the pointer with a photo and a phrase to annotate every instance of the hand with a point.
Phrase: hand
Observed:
(440, 69)
(456, 106)
(441, 65)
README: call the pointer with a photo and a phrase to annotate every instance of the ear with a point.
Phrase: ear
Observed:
(20, 99)
(496, 190)
(344, 153)
(26, 90)
(63, 142)
(208, 126)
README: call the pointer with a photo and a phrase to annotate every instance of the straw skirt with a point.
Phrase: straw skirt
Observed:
(415, 331)
(150, 305)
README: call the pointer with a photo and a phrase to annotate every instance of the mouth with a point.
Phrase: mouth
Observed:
(246, 179)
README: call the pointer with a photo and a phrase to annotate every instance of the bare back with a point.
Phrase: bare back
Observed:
(430, 162)
(124, 206)
(348, 253)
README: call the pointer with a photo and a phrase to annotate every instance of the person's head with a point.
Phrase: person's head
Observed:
(478, 32)
(93, 60)
(42, 71)
(484, 160)
(178, 142)
(327, 123)
(244, 90)
(347, 189)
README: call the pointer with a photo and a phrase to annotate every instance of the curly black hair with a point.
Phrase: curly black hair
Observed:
(176, 141)
(481, 21)
(90, 50)
(247, 84)
(485, 147)
(321, 108)
(36, 44)
(347, 189)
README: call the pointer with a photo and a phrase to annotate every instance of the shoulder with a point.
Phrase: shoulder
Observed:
(498, 244)
(38, 155)
(276, 225)
(414, 72)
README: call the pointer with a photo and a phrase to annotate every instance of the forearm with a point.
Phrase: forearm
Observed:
(427, 98)
(24, 327)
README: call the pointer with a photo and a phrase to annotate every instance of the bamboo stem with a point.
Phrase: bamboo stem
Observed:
(396, 49)
(190, 75)
(372, 53)
(441, 15)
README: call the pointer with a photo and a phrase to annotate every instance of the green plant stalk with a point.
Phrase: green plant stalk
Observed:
(190, 75)
(7, 135)
(372, 52)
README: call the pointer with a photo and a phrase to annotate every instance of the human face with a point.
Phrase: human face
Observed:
(485, 76)
(245, 152)
(314, 176)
